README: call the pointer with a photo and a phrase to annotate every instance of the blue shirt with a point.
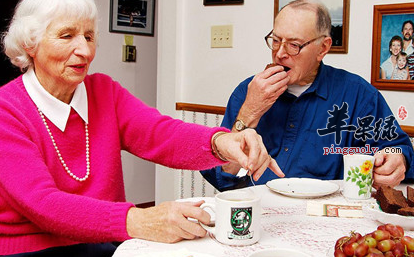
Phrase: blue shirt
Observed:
(308, 134)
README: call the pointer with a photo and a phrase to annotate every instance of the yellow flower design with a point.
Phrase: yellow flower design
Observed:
(366, 167)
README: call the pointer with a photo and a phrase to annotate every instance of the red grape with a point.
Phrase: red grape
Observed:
(399, 249)
(380, 235)
(341, 241)
(375, 255)
(374, 250)
(349, 249)
(339, 253)
(389, 254)
(408, 242)
(387, 240)
(394, 230)
(371, 242)
(386, 245)
(361, 250)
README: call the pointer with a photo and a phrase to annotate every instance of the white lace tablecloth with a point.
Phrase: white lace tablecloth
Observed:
(284, 224)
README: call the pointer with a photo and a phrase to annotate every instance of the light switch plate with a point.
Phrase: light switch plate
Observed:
(222, 36)
(129, 53)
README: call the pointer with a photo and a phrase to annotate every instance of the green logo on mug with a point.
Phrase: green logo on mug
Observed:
(241, 219)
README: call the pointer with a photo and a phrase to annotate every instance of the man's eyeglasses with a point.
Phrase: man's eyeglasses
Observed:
(291, 48)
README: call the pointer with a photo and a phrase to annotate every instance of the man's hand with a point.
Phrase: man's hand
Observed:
(389, 169)
(167, 222)
(247, 149)
(262, 93)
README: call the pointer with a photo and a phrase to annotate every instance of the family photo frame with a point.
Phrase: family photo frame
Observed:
(339, 11)
(390, 22)
(132, 17)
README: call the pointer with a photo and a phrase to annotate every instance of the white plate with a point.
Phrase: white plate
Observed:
(373, 210)
(302, 187)
(279, 252)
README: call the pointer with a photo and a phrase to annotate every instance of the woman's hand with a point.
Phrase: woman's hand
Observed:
(247, 149)
(167, 222)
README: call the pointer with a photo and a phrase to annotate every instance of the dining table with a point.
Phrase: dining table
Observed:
(286, 222)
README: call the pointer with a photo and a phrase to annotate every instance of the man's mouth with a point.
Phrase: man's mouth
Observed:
(286, 68)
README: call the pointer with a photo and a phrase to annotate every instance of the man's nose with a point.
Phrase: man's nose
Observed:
(281, 52)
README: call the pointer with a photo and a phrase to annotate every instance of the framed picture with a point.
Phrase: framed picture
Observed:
(222, 2)
(339, 11)
(392, 43)
(132, 17)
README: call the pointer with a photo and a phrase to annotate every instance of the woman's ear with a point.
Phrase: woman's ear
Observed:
(30, 51)
(325, 47)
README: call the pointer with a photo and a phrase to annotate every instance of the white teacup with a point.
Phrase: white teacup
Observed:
(358, 176)
(237, 217)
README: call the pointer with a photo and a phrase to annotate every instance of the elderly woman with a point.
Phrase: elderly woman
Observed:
(62, 131)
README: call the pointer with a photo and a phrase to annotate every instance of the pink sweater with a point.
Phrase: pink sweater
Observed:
(41, 206)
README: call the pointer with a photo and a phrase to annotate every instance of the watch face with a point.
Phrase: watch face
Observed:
(239, 125)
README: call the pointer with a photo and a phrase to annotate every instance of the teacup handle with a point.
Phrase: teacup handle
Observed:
(213, 208)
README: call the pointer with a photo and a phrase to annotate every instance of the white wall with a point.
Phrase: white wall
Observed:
(139, 78)
(190, 71)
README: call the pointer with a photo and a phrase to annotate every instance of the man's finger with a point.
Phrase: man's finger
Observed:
(379, 158)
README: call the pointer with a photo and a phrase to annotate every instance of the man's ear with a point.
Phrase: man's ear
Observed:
(325, 47)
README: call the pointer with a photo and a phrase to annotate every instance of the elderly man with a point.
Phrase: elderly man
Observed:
(408, 47)
(310, 114)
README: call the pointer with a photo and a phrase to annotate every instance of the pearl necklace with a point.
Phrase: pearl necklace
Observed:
(88, 165)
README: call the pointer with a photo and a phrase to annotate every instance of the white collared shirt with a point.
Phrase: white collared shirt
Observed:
(54, 109)
(297, 90)
(410, 48)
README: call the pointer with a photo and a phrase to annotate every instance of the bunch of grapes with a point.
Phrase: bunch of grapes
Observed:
(387, 241)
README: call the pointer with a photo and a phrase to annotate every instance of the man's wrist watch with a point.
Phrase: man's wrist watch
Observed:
(239, 125)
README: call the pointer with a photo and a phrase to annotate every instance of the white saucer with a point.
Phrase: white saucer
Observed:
(302, 187)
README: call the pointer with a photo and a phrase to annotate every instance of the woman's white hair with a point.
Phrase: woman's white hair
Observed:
(30, 21)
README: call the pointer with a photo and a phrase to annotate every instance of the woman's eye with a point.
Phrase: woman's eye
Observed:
(66, 36)
(90, 38)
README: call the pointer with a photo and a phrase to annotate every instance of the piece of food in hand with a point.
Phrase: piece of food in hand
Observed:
(285, 68)
(270, 65)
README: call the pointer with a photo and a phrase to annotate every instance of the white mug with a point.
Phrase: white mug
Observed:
(358, 176)
(237, 217)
